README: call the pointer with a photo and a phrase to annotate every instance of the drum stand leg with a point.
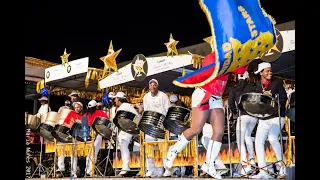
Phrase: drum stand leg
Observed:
(107, 159)
(95, 167)
(40, 166)
(53, 170)
(281, 138)
(229, 141)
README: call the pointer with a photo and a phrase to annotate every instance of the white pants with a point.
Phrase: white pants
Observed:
(247, 124)
(124, 140)
(150, 161)
(74, 163)
(61, 165)
(268, 129)
(97, 145)
(198, 95)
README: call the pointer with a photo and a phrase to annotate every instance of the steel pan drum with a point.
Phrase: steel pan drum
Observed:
(258, 105)
(60, 131)
(76, 131)
(48, 125)
(102, 126)
(32, 122)
(151, 123)
(124, 120)
(176, 118)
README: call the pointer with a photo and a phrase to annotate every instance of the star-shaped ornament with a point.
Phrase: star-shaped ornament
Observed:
(210, 41)
(110, 60)
(64, 57)
(171, 46)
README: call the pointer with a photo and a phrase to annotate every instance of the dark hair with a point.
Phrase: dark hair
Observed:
(123, 100)
(91, 110)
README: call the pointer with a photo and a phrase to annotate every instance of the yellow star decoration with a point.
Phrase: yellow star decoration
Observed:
(110, 60)
(210, 41)
(171, 46)
(64, 57)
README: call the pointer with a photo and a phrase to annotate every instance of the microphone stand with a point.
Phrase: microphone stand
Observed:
(279, 113)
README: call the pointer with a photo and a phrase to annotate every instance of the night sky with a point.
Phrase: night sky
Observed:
(85, 28)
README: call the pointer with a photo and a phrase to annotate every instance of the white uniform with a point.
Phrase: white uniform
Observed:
(44, 109)
(125, 138)
(160, 104)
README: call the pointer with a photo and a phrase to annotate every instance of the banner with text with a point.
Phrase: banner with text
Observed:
(69, 69)
(155, 65)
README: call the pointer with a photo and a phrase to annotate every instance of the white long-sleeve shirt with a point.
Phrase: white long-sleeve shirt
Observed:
(44, 109)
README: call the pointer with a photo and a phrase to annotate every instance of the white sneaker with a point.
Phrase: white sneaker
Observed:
(221, 168)
(205, 167)
(262, 175)
(74, 175)
(211, 171)
(246, 170)
(123, 172)
(167, 173)
(281, 170)
(151, 173)
(168, 161)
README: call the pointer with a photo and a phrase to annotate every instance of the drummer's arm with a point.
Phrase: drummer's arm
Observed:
(166, 103)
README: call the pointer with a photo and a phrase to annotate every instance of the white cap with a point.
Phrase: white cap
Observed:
(245, 75)
(111, 95)
(262, 66)
(120, 95)
(67, 102)
(73, 93)
(173, 98)
(154, 80)
(43, 98)
(92, 103)
(77, 102)
(99, 104)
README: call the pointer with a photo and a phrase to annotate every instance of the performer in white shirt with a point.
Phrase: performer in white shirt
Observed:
(123, 137)
(44, 108)
(66, 106)
(156, 101)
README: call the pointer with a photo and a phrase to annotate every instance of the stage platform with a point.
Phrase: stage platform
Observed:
(118, 178)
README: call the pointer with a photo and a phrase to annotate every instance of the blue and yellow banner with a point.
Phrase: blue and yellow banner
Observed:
(241, 30)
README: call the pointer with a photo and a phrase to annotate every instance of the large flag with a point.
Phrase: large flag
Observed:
(241, 30)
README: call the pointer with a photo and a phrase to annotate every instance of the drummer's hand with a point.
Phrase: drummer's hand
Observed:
(114, 138)
(235, 116)
(267, 93)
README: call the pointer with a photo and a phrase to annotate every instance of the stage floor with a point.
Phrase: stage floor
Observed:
(118, 178)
